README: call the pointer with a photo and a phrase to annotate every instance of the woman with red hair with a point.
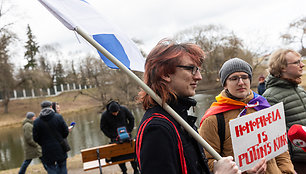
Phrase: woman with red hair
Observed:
(172, 71)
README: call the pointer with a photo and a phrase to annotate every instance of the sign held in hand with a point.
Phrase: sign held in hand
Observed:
(261, 134)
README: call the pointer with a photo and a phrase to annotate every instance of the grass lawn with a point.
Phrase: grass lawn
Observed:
(69, 102)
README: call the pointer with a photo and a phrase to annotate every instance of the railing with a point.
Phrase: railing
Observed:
(56, 90)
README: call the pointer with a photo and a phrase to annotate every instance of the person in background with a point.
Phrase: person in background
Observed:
(163, 146)
(237, 100)
(53, 155)
(282, 85)
(114, 117)
(56, 107)
(31, 148)
(261, 85)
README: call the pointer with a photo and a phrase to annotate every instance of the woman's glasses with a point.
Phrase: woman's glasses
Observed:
(193, 69)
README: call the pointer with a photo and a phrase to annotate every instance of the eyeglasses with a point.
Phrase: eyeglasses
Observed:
(236, 79)
(298, 62)
(193, 69)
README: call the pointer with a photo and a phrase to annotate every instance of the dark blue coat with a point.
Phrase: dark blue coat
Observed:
(109, 123)
(261, 88)
(159, 147)
(51, 148)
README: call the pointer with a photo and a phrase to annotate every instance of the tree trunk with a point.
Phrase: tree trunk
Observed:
(6, 101)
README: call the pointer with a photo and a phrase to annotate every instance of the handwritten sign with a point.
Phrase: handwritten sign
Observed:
(261, 134)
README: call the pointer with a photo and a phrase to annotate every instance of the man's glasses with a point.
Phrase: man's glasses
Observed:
(236, 79)
(298, 62)
(193, 69)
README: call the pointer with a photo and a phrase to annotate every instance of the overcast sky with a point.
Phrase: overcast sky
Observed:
(255, 21)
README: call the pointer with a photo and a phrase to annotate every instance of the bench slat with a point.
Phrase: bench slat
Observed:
(108, 151)
(94, 164)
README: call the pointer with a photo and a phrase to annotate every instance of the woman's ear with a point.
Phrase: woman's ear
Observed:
(166, 78)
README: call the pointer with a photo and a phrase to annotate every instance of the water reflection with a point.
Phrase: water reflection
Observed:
(85, 134)
(11, 146)
(204, 101)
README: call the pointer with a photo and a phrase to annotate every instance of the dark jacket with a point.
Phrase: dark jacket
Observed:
(51, 148)
(31, 148)
(159, 151)
(294, 100)
(261, 88)
(109, 123)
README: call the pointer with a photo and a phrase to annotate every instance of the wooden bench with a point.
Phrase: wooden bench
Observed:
(95, 157)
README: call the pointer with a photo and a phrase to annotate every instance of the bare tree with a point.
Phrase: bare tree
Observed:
(94, 72)
(110, 83)
(7, 81)
(28, 79)
(219, 44)
(72, 76)
(124, 87)
(296, 34)
(40, 77)
(4, 11)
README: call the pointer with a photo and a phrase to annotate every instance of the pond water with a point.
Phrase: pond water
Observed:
(85, 134)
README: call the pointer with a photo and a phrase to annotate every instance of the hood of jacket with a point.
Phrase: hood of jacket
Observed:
(272, 81)
(26, 120)
(46, 113)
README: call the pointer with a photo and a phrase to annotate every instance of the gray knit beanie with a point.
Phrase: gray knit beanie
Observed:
(30, 115)
(234, 65)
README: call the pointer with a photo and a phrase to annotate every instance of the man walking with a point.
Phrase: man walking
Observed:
(46, 127)
(31, 148)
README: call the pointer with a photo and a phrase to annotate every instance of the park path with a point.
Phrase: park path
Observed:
(109, 170)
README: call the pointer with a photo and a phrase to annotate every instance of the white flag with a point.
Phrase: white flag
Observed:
(79, 13)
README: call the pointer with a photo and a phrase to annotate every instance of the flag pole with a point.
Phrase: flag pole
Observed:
(148, 90)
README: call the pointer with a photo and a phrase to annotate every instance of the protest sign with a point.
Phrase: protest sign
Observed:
(261, 134)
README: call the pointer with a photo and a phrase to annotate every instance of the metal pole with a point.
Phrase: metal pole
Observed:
(98, 156)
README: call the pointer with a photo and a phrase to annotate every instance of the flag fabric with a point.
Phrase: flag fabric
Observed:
(79, 13)
(224, 104)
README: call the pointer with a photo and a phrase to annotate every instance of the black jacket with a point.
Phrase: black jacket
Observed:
(51, 148)
(109, 123)
(159, 147)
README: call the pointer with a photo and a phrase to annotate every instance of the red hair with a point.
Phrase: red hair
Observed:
(162, 61)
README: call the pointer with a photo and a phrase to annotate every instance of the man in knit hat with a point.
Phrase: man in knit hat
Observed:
(31, 148)
(235, 101)
(114, 117)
